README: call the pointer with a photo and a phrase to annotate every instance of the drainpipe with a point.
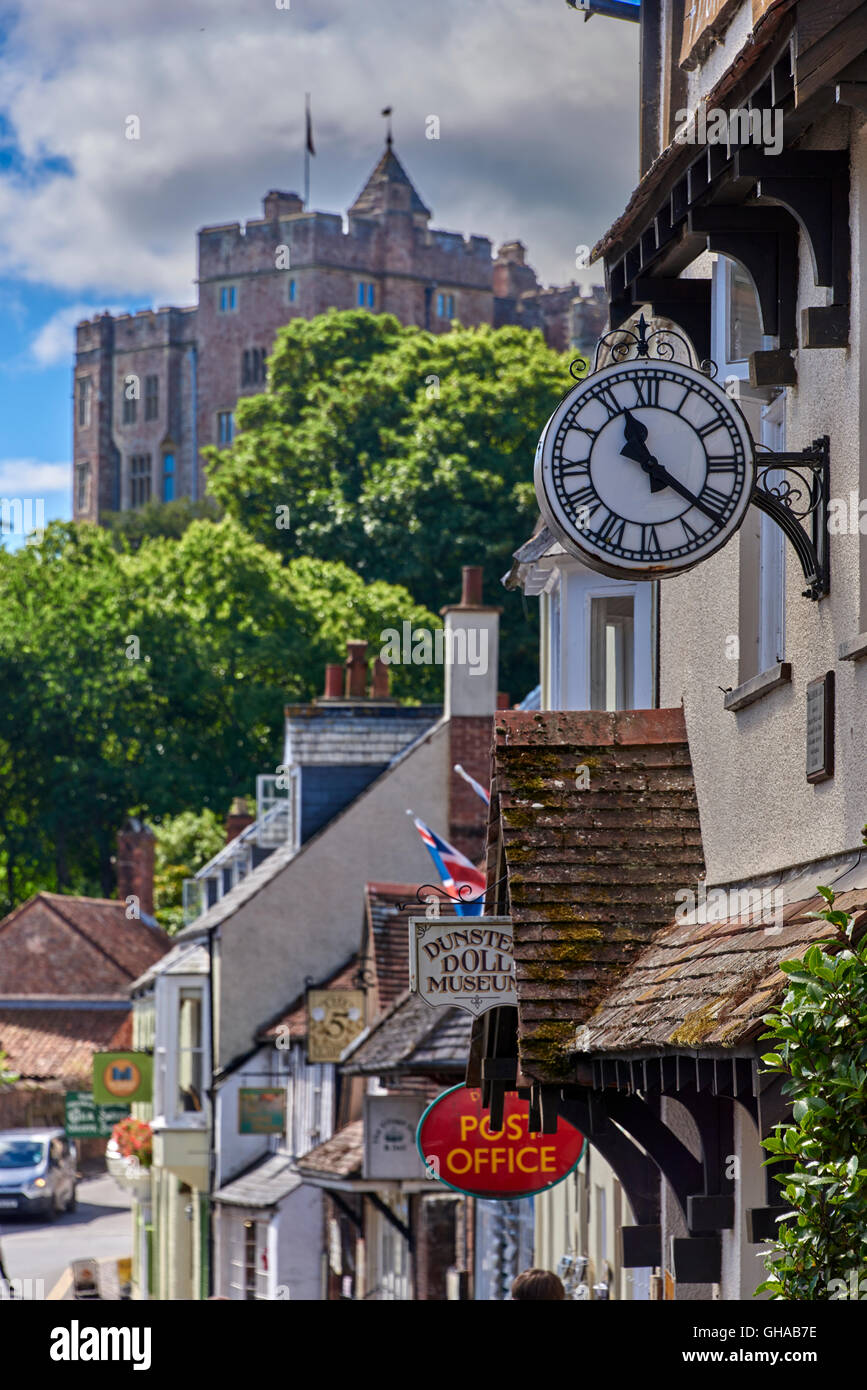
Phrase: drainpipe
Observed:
(194, 481)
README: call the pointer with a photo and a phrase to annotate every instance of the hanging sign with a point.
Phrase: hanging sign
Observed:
(458, 1146)
(122, 1077)
(261, 1110)
(390, 1124)
(462, 962)
(87, 1120)
(335, 1017)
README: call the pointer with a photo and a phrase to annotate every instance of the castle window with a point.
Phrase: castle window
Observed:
(152, 397)
(228, 299)
(168, 477)
(82, 486)
(246, 377)
(366, 294)
(130, 402)
(253, 366)
(139, 479)
(225, 427)
(370, 296)
(292, 291)
(445, 306)
(83, 385)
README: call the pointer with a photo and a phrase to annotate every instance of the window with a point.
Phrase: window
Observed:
(612, 643)
(228, 299)
(253, 371)
(139, 479)
(225, 427)
(745, 326)
(83, 387)
(130, 406)
(152, 397)
(190, 1053)
(445, 306)
(248, 1259)
(168, 477)
(82, 486)
(292, 292)
(366, 294)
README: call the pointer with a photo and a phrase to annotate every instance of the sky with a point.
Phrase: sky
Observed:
(538, 137)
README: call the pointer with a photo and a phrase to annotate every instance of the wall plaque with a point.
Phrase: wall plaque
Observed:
(820, 729)
(335, 1017)
(462, 962)
(390, 1124)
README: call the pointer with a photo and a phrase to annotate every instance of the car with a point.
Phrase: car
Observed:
(38, 1174)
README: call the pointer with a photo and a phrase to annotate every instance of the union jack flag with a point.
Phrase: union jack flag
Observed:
(456, 871)
(476, 786)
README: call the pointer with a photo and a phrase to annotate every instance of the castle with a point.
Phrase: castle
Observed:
(153, 388)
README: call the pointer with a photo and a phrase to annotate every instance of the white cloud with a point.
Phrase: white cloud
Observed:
(55, 341)
(537, 115)
(31, 478)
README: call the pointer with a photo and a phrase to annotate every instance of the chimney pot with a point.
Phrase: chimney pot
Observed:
(239, 818)
(356, 670)
(471, 596)
(333, 681)
(381, 680)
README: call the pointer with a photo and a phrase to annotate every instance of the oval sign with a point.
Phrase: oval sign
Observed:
(458, 1146)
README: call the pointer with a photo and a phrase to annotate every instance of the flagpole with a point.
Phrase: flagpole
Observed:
(306, 151)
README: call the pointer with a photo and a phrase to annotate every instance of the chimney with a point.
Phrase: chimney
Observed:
(503, 700)
(356, 670)
(379, 688)
(239, 818)
(135, 864)
(333, 681)
(277, 204)
(471, 700)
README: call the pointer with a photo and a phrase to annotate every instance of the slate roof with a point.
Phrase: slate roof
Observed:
(58, 1043)
(411, 1037)
(710, 984)
(340, 1156)
(593, 871)
(371, 200)
(263, 1185)
(295, 1016)
(55, 945)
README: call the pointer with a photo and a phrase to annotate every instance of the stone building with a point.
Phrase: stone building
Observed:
(153, 388)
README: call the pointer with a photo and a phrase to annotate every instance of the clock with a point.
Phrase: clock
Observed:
(645, 469)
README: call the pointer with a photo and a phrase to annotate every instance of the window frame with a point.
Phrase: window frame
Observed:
(227, 298)
(140, 479)
(229, 415)
(152, 396)
(571, 685)
(167, 1114)
(771, 597)
(84, 388)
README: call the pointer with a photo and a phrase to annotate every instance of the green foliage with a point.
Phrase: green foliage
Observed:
(183, 844)
(819, 1038)
(6, 1077)
(152, 682)
(158, 519)
(406, 453)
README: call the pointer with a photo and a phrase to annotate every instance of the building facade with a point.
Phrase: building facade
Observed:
(153, 388)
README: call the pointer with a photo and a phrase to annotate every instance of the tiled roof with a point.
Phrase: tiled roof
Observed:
(709, 984)
(295, 1017)
(45, 1044)
(263, 1185)
(412, 1037)
(387, 937)
(371, 200)
(593, 871)
(57, 945)
(339, 1157)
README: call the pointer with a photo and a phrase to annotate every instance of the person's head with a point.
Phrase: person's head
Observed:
(537, 1283)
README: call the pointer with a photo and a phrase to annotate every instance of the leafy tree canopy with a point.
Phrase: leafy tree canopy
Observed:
(406, 453)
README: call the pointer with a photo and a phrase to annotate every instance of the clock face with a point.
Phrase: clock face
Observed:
(645, 469)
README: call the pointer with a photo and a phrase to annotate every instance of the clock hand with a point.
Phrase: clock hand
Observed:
(662, 475)
(636, 449)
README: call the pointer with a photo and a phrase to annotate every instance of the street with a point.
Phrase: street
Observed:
(43, 1250)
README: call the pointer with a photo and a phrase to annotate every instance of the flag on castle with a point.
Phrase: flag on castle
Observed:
(460, 877)
(476, 786)
(309, 123)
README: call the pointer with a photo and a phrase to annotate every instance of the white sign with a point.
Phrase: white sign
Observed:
(390, 1123)
(462, 962)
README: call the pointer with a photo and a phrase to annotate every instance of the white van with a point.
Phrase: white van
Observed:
(37, 1172)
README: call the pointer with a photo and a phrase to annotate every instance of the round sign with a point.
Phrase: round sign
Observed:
(458, 1146)
(121, 1077)
(645, 469)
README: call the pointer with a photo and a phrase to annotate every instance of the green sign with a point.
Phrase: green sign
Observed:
(87, 1120)
(261, 1111)
(119, 1078)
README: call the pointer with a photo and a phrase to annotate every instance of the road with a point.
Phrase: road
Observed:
(100, 1228)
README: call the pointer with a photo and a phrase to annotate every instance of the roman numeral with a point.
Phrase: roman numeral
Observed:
(568, 470)
(605, 396)
(683, 400)
(650, 541)
(711, 428)
(647, 390)
(724, 464)
(717, 501)
(611, 531)
(688, 531)
(585, 498)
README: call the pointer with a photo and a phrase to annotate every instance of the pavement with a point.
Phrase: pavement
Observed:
(100, 1229)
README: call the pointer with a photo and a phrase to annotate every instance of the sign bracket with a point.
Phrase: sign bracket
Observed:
(792, 504)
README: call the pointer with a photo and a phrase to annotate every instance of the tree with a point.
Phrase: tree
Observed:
(158, 519)
(819, 1034)
(183, 844)
(406, 453)
(154, 682)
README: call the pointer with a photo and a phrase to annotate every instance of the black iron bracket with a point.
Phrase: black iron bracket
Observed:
(800, 503)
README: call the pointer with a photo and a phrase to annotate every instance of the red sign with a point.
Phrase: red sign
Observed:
(458, 1146)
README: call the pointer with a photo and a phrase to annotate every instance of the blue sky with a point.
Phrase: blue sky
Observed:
(538, 122)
